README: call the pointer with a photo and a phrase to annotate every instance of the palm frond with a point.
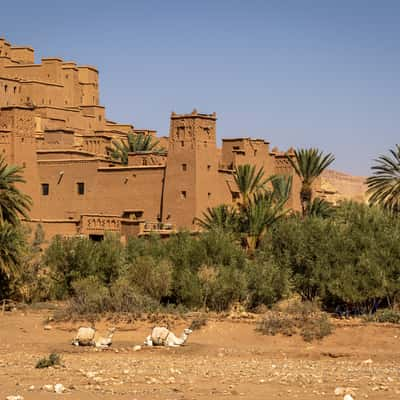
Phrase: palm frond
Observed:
(384, 184)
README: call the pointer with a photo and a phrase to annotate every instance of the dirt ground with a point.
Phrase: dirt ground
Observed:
(225, 359)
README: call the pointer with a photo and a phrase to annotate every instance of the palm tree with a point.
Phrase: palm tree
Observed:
(135, 143)
(13, 203)
(11, 249)
(320, 208)
(222, 217)
(384, 185)
(309, 165)
(281, 187)
(249, 181)
(261, 212)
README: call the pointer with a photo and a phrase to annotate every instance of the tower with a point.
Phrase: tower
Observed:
(192, 168)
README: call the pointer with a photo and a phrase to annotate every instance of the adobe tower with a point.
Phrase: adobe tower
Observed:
(191, 177)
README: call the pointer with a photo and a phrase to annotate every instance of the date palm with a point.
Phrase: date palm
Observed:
(249, 181)
(12, 245)
(222, 217)
(384, 185)
(260, 214)
(135, 143)
(13, 203)
(309, 165)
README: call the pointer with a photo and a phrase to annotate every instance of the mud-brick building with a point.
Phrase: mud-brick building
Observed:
(51, 123)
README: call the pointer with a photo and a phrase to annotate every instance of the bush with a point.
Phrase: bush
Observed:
(51, 361)
(153, 277)
(386, 315)
(267, 283)
(303, 318)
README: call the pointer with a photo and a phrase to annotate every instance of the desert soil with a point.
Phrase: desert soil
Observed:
(225, 359)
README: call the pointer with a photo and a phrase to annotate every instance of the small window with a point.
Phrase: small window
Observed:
(183, 194)
(208, 167)
(236, 147)
(184, 167)
(209, 195)
(81, 188)
(45, 189)
(182, 143)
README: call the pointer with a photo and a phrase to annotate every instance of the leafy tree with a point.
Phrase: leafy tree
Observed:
(135, 143)
(309, 165)
(13, 203)
(384, 185)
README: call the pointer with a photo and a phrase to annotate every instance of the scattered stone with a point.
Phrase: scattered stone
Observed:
(340, 391)
(32, 387)
(369, 361)
(59, 388)
(47, 327)
(348, 397)
(48, 388)
(17, 397)
(137, 348)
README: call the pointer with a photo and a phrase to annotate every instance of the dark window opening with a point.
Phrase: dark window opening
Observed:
(184, 167)
(208, 167)
(209, 195)
(81, 188)
(182, 143)
(183, 194)
(96, 238)
(45, 189)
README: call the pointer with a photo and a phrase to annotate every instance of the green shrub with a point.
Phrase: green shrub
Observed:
(386, 315)
(51, 361)
(304, 318)
(153, 277)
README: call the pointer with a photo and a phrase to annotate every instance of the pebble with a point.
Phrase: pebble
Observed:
(348, 397)
(59, 388)
(48, 388)
(17, 397)
(137, 347)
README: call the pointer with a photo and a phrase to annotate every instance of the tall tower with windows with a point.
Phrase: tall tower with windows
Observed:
(191, 177)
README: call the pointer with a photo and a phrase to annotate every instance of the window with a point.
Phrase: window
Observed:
(209, 195)
(182, 143)
(81, 188)
(183, 194)
(208, 167)
(45, 189)
(184, 167)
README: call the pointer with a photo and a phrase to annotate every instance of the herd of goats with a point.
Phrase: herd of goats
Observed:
(160, 336)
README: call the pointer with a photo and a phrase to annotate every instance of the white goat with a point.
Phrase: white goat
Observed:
(161, 336)
(88, 337)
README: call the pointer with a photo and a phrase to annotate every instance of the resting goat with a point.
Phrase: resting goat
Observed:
(161, 336)
(88, 337)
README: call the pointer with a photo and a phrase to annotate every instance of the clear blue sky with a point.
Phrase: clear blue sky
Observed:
(304, 73)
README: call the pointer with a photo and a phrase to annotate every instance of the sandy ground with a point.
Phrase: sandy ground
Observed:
(223, 360)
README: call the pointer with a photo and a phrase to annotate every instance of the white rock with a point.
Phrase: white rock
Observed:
(32, 387)
(339, 391)
(348, 397)
(137, 347)
(47, 327)
(17, 397)
(59, 388)
(48, 388)
(369, 361)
